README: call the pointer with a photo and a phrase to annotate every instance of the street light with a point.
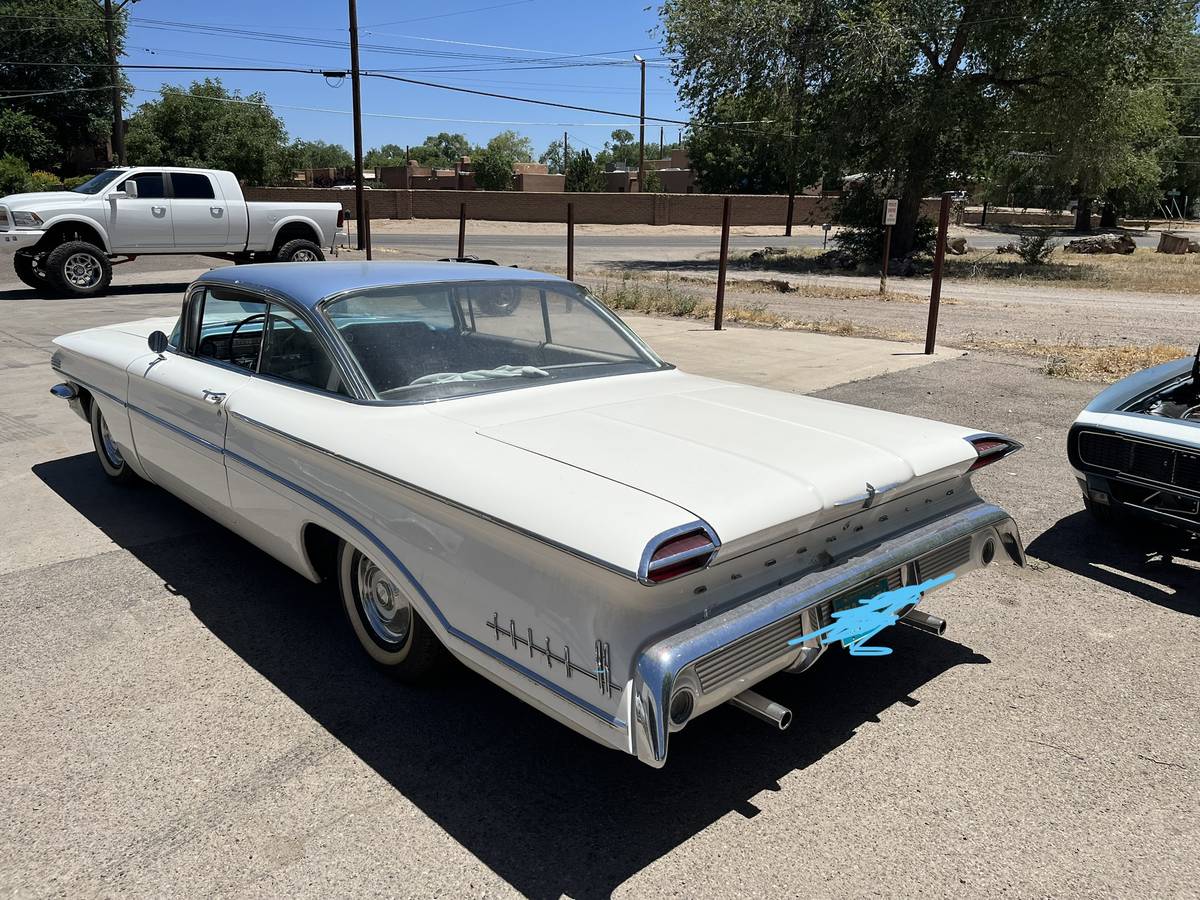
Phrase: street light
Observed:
(642, 129)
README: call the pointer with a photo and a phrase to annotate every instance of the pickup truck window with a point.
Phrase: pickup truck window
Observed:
(190, 186)
(97, 183)
(149, 185)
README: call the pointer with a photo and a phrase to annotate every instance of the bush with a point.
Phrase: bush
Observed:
(1035, 249)
(14, 175)
(75, 181)
(43, 181)
(859, 212)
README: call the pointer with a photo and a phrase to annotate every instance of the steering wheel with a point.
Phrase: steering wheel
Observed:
(252, 318)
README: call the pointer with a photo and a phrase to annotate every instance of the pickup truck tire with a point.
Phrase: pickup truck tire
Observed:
(78, 269)
(299, 250)
(111, 461)
(384, 620)
(29, 273)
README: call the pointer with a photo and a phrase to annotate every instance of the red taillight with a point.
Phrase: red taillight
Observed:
(679, 555)
(990, 450)
(341, 218)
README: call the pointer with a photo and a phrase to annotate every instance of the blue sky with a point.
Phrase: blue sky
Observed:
(610, 31)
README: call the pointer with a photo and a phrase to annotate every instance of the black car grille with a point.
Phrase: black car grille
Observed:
(1138, 459)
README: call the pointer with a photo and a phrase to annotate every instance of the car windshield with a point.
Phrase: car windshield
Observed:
(97, 183)
(449, 339)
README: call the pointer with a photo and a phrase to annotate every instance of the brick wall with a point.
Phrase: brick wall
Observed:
(604, 209)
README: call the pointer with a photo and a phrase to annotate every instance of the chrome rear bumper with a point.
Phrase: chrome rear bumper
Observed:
(750, 641)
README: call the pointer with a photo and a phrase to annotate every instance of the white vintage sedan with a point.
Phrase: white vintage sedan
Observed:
(491, 466)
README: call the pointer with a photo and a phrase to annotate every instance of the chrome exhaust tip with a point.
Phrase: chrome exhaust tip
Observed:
(915, 618)
(64, 391)
(762, 708)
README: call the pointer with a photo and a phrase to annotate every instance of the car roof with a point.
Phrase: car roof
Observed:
(308, 283)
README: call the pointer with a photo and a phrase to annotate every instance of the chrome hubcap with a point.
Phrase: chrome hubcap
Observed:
(386, 608)
(82, 270)
(304, 256)
(110, 449)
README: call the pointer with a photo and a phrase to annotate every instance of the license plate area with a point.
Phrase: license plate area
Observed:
(850, 599)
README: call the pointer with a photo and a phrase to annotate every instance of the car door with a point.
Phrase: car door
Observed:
(199, 213)
(178, 401)
(142, 222)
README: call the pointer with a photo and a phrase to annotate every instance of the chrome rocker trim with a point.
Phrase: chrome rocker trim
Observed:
(667, 664)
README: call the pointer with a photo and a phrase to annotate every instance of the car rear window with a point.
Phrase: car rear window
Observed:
(191, 186)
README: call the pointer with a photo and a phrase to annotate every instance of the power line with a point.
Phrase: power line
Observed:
(457, 12)
(24, 95)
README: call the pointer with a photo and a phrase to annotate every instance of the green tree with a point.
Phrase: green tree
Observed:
(301, 154)
(622, 147)
(55, 49)
(584, 173)
(493, 164)
(441, 150)
(751, 160)
(552, 159)
(911, 90)
(387, 155)
(211, 127)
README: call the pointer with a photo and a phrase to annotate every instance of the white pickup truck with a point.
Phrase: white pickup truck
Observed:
(65, 242)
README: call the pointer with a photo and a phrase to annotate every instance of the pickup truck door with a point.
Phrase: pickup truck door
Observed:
(177, 402)
(199, 212)
(140, 223)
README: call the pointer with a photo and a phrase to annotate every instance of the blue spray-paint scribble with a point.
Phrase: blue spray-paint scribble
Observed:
(858, 624)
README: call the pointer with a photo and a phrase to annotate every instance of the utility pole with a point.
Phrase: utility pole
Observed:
(564, 156)
(642, 129)
(661, 141)
(110, 33)
(360, 208)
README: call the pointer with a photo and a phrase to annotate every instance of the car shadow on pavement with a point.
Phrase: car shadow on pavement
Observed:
(546, 809)
(113, 290)
(1157, 564)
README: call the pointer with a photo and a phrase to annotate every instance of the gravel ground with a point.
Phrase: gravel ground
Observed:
(181, 715)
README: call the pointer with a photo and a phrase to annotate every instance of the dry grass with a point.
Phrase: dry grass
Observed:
(1143, 270)
(1082, 362)
(664, 297)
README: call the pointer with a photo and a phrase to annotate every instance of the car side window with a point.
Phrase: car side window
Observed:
(293, 353)
(230, 328)
(190, 186)
(149, 185)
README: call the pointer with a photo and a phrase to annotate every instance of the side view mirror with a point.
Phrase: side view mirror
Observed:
(157, 342)
(128, 191)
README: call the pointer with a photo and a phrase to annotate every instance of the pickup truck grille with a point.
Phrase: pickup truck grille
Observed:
(1156, 463)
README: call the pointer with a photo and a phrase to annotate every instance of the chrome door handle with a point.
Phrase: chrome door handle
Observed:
(216, 398)
(216, 210)
(158, 210)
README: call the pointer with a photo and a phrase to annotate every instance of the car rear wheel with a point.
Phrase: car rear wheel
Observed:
(78, 269)
(384, 619)
(299, 251)
(29, 272)
(111, 460)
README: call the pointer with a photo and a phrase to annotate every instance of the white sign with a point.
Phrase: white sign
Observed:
(889, 212)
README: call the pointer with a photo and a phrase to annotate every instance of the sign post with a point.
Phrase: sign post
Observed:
(890, 210)
(825, 237)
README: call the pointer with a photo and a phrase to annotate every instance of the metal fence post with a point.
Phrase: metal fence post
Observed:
(719, 314)
(462, 230)
(939, 259)
(570, 242)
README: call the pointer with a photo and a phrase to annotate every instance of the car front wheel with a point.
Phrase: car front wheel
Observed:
(384, 619)
(111, 460)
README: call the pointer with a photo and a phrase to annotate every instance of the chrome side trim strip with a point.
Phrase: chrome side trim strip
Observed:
(596, 711)
(408, 485)
(170, 426)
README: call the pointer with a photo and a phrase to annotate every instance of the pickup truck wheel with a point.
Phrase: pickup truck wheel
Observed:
(27, 270)
(384, 620)
(78, 269)
(299, 251)
(111, 461)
